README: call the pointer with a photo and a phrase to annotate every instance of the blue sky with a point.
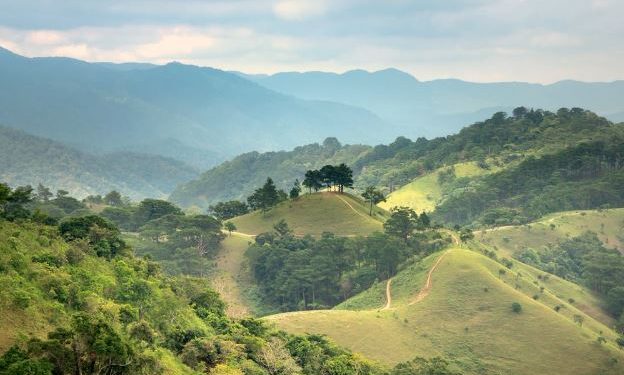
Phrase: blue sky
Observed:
(476, 40)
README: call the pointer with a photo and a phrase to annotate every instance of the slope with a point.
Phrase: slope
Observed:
(608, 224)
(425, 192)
(466, 317)
(341, 214)
(27, 159)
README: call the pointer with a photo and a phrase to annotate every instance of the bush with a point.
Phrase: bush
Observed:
(516, 307)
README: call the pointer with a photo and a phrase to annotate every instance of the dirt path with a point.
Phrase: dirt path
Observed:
(353, 208)
(227, 280)
(424, 292)
(388, 295)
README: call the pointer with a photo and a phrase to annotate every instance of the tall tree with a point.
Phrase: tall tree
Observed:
(265, 197)
(295, 190)
(313, 180)
(328, 176)
(113, 198)
(43, 193)
(373, 196)
(344, 177)
(401, 223)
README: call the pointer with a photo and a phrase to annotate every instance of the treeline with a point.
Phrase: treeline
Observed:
(307, 273)
(584, 259)
(586, 176)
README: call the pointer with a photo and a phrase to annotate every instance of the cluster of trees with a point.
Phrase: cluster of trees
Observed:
(329, 176)
(181, 243)
(584, 259)
(227, 210)
(586, 176)
(404, 221)
(302, 273)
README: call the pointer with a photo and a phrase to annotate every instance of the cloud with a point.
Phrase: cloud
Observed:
(297, 10)
(479, 40)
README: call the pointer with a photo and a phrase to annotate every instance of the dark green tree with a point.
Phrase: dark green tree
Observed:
(227, 210)
(401, 223)
(295, 190)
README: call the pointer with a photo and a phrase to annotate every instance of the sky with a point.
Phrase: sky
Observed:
(476, 40)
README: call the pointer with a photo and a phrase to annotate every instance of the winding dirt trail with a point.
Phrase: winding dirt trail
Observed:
(424, 292)
(351, 207)
(388, 295)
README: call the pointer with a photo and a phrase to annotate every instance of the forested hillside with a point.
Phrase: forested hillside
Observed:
(486, 165)
(236, 179)
(75, 300)
(208, 113)
(30, 160)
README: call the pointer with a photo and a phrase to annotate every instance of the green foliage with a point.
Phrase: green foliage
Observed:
(123, 317)
(27, 159)
(422, 366)
(103, 236)
(227, 210)
(265, 197)
(516, 307)
(372, 196)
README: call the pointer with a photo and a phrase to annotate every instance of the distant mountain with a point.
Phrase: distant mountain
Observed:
(441, 107)
(30, 160)
(216, 114)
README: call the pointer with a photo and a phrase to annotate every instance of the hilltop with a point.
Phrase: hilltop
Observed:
(341, 214)
(466, 315)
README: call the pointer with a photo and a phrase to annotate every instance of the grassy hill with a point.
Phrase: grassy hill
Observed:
(425, 192)
(467, 317)
(341, 214)
(607, 224)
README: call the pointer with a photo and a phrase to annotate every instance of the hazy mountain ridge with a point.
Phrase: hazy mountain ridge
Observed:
(111, 107)
(26, 159)
(443, 106)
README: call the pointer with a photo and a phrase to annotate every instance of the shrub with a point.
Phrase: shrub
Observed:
(516, 307)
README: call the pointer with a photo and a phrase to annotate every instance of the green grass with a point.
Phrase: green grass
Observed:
(467, 317)
(608, 224)
(423, 193)
(341, 214)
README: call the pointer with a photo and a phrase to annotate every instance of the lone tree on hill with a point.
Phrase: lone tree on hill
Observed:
(295, 190)
(230, 227)
(265, 197)
(373, 196)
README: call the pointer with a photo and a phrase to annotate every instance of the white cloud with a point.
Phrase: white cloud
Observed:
(297, 10)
